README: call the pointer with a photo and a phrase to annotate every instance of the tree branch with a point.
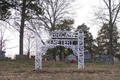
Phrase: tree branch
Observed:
(106, 4)
(116, 13)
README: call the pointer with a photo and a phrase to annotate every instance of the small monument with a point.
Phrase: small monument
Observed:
(71, 58)
(106, 59)
(87, 56)
(24, 57)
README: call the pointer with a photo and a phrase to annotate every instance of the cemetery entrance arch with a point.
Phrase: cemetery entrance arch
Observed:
(72, 40)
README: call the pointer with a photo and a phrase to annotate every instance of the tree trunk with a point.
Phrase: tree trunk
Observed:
(22, 28)
(111, 27)
(28, 54)
(111, 46)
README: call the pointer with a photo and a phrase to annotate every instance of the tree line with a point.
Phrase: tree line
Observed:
(29, 16)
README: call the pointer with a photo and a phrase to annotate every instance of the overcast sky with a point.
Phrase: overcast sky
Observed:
(83, 15)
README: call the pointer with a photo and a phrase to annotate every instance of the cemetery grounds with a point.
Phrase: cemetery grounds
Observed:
(52, 70)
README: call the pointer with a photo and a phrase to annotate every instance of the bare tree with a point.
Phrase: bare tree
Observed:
(54, 11)
(26, 9)
(3, 39)
(29, 42)
(109, 14)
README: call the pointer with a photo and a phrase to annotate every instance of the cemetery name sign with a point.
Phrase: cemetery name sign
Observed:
(72, 40)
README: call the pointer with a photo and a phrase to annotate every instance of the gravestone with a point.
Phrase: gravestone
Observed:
(2, 54)
(106, 58)
(71, 58)
(49, 58)
(21, 57)
(88, 58)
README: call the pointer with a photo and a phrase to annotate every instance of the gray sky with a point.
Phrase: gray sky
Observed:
(85, 15)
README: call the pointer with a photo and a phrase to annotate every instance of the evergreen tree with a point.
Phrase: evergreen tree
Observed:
(65, 24)
(5, 5)
(103, 41)
(88, 38)
(109, 14)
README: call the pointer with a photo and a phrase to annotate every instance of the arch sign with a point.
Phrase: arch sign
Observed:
(72, 40)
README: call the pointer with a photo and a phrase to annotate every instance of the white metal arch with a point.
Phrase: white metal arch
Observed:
(72, 40)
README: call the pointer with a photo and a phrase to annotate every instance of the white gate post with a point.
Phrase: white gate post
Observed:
(83, 47)
(40, 53)
(38, 56)
(80, 49)
(36, 51)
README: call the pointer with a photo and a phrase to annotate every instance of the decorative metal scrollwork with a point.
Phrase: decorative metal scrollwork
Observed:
(72, 40)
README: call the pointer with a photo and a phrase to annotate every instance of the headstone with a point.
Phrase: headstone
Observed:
(88, 58)
(71, 58)
(2, 55)
(106, 58)
(49, 58)
(22, 57)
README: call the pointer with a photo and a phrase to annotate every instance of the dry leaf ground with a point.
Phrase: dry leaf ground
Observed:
(24, 70)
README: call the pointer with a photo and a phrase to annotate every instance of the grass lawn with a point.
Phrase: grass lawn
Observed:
(24, 70)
